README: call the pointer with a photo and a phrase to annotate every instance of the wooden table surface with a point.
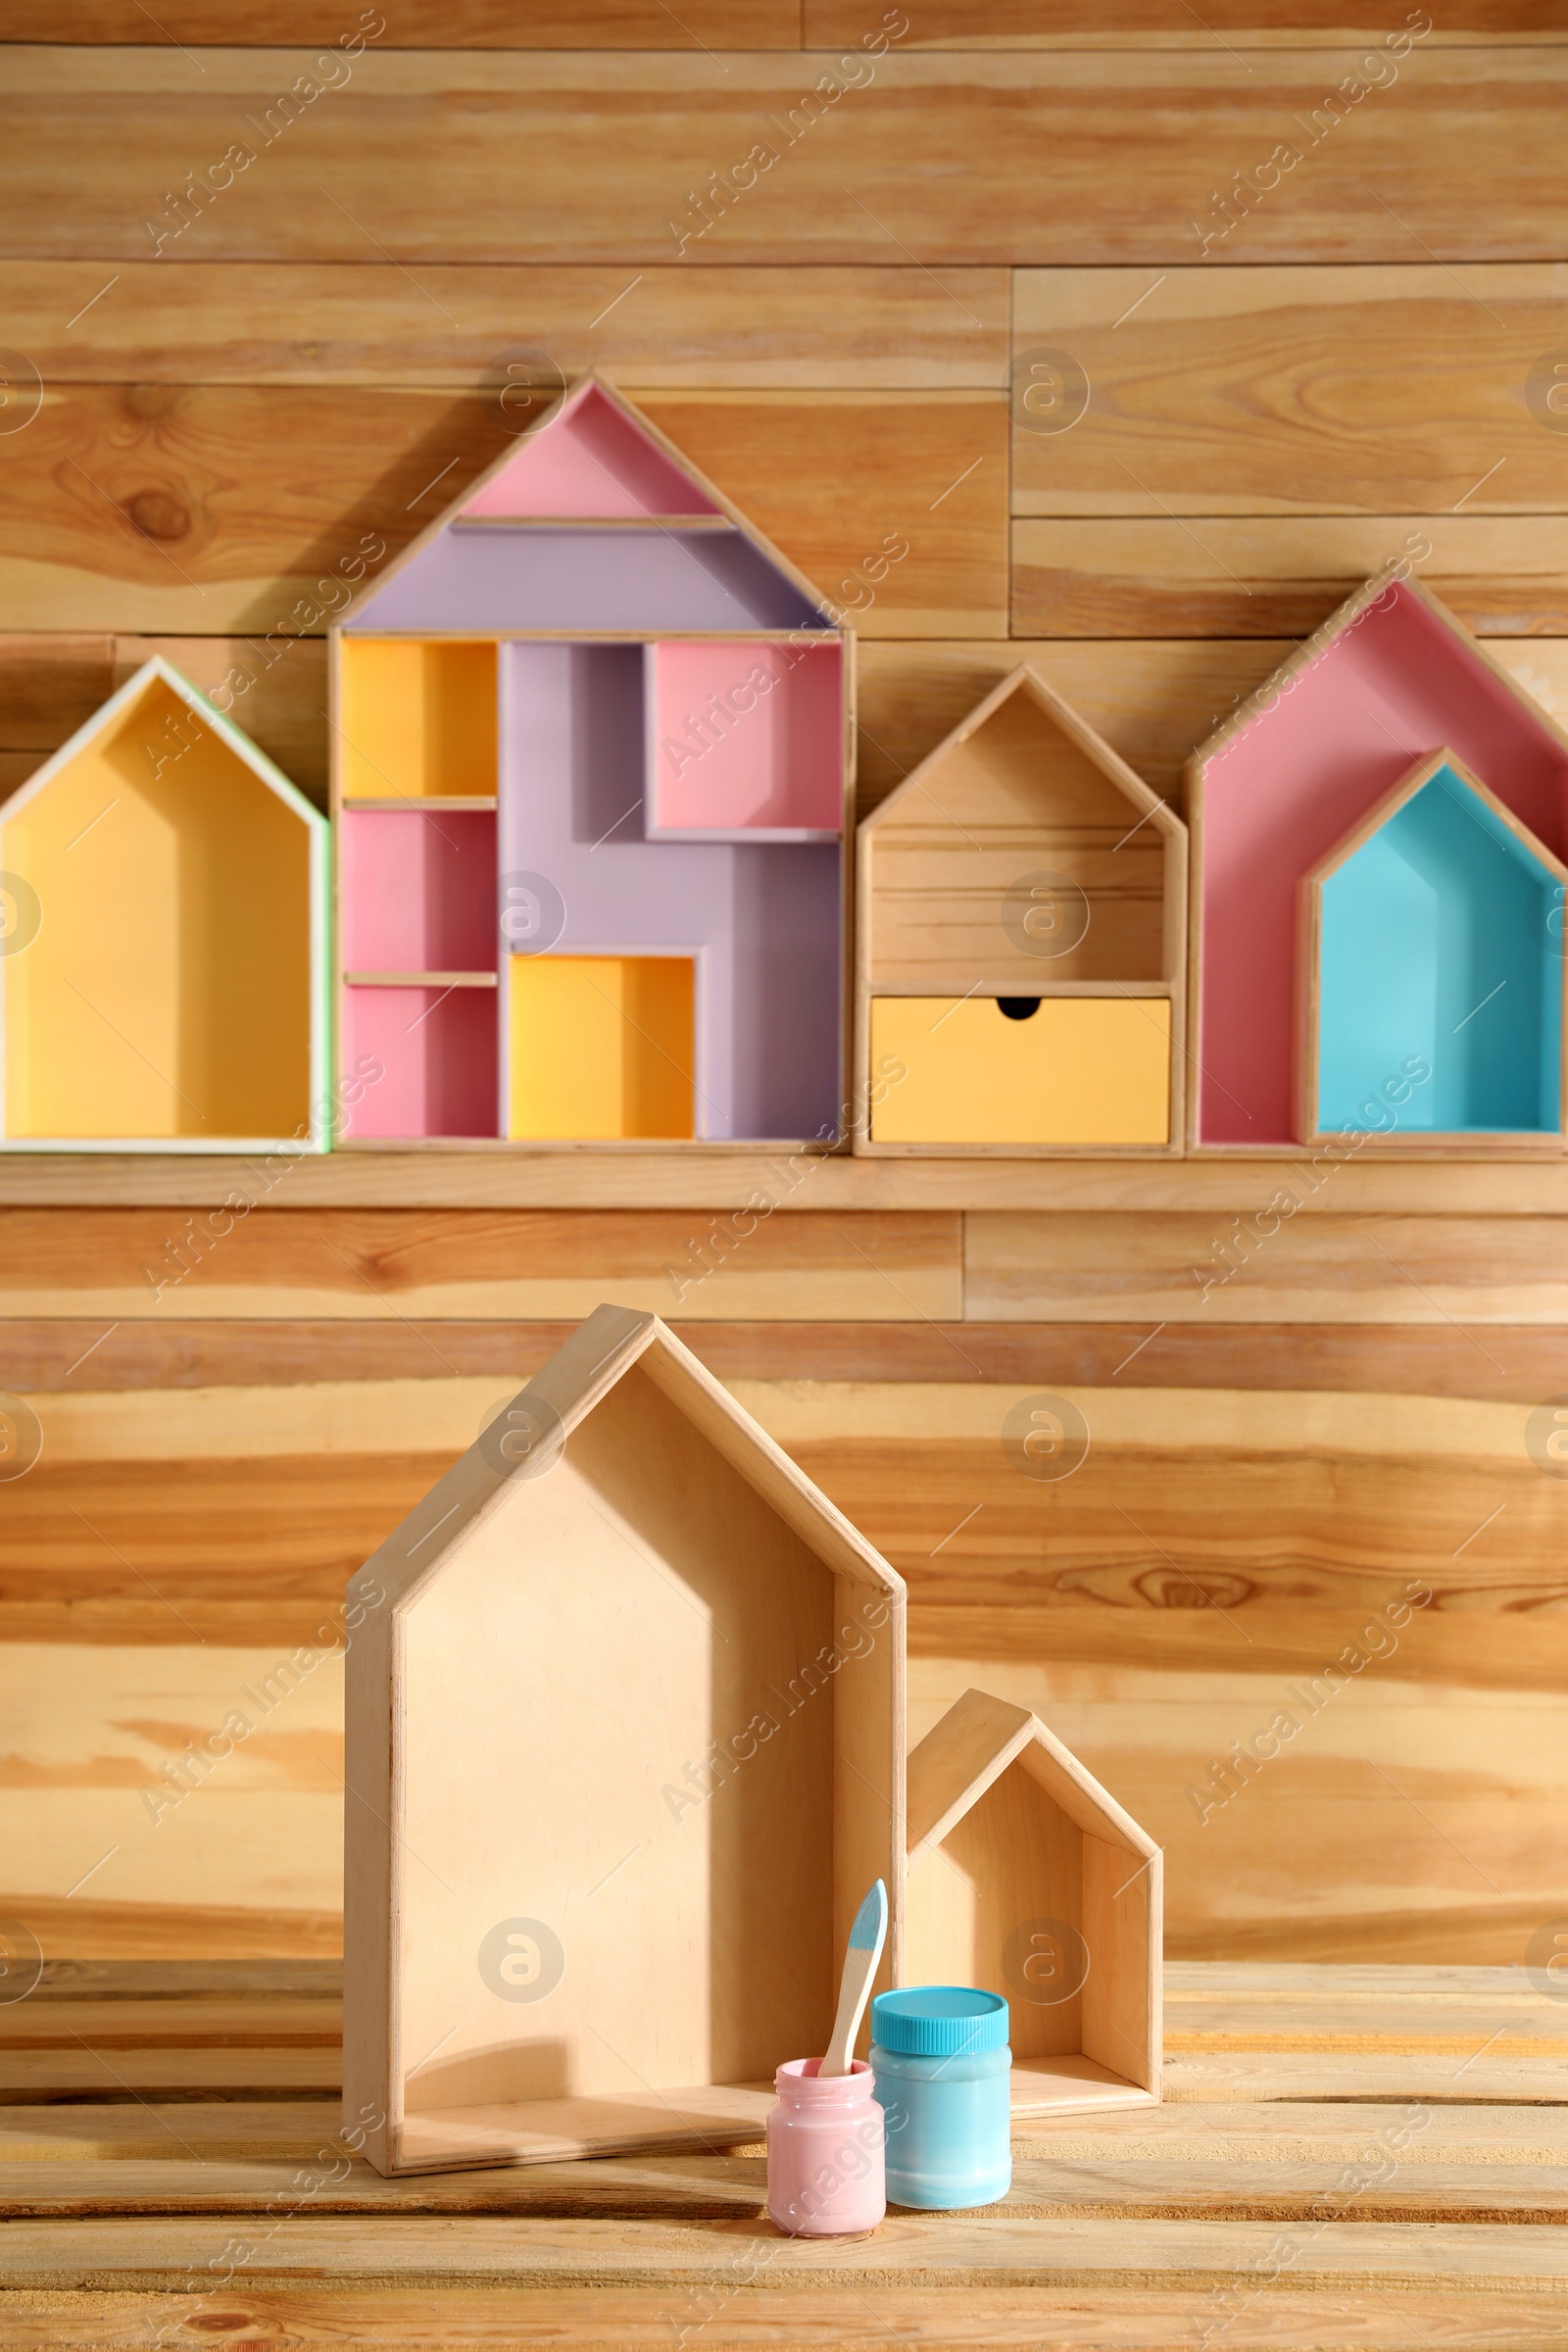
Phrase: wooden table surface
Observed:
(1348, 2156)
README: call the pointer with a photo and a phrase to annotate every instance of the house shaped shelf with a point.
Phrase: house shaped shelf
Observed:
(1021, 949)
(593, 768)
(1431, 969)
(1026, 1879)
(625, 1749)
(163, 984)
(1389, 680)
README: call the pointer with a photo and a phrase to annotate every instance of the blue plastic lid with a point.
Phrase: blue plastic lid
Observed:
(939, 2021)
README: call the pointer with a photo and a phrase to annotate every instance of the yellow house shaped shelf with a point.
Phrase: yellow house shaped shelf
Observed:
(1021, 912)
(162, 939)
(1027, 1878)
(625, 1746)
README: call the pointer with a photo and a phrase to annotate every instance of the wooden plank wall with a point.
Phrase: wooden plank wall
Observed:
(216, 389)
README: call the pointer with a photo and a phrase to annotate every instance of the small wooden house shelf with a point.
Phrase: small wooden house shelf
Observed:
(595, 737)
(1432, 967)
(1390, 679)
(1022, 951)
(1026, 1879)
(626, 1728)
(165, 988)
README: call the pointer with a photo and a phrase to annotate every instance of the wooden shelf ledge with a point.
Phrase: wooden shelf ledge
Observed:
(720, 1177)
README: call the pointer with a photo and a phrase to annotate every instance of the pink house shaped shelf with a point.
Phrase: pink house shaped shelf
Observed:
(1391, 679)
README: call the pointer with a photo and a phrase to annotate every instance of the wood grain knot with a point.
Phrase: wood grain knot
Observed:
(1169, 1589)
(156, 515)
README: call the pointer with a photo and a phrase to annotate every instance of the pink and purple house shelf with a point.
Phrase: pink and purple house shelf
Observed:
(592, 789)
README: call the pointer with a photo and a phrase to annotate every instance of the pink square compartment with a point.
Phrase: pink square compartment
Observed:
(438, 1058)
(745, 741)
(416, 890)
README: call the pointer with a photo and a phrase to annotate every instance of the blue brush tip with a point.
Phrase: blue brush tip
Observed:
(870, 1920)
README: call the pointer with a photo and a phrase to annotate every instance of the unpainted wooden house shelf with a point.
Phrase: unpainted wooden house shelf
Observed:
(603, 1958)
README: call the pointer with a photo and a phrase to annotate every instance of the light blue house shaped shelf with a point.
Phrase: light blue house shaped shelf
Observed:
(1431, 969)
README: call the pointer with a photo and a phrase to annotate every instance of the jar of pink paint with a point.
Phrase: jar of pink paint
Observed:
(824, 2151)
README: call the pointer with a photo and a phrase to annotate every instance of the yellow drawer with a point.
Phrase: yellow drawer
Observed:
(1078, 1070)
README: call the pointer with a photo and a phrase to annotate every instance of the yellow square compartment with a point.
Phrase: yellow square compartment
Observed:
(1086, 1071)
(601, 1047)
(416, 720)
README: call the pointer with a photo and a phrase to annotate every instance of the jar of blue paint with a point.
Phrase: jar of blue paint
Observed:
(941, 2071)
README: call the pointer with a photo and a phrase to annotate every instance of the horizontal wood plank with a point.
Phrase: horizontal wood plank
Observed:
(115, 1264)
(1194, 2254)
(868, 328)
(1281, 391)
(84, 2072)
(1225, 575)
(1289, 2319)
(692, 2189)
(1334, 1497)
(423, 23)
(282, 2023)
(1337, 1502)
(139, 2133)
(159, 1931)
(1042, 24)
(707, 2188)
(714, 1185)
(593, 158)
(1413, 2078)
(962, 1628)
(1470, 2138)
(1267, 1267)
(176, 1549)
(761, 24)
(1369, 1358)
(237, 1514)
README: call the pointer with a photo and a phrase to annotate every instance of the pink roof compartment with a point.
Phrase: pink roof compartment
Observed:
(588, 463)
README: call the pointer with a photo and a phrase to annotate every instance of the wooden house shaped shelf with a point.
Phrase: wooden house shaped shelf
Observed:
(1431, 969)
(593, 768)
(1021, 952)
(1391, 679)
(164, 916)
(1026, 1879)
(625, 1715)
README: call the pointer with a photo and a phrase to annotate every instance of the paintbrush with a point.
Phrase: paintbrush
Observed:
(866, 1938)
